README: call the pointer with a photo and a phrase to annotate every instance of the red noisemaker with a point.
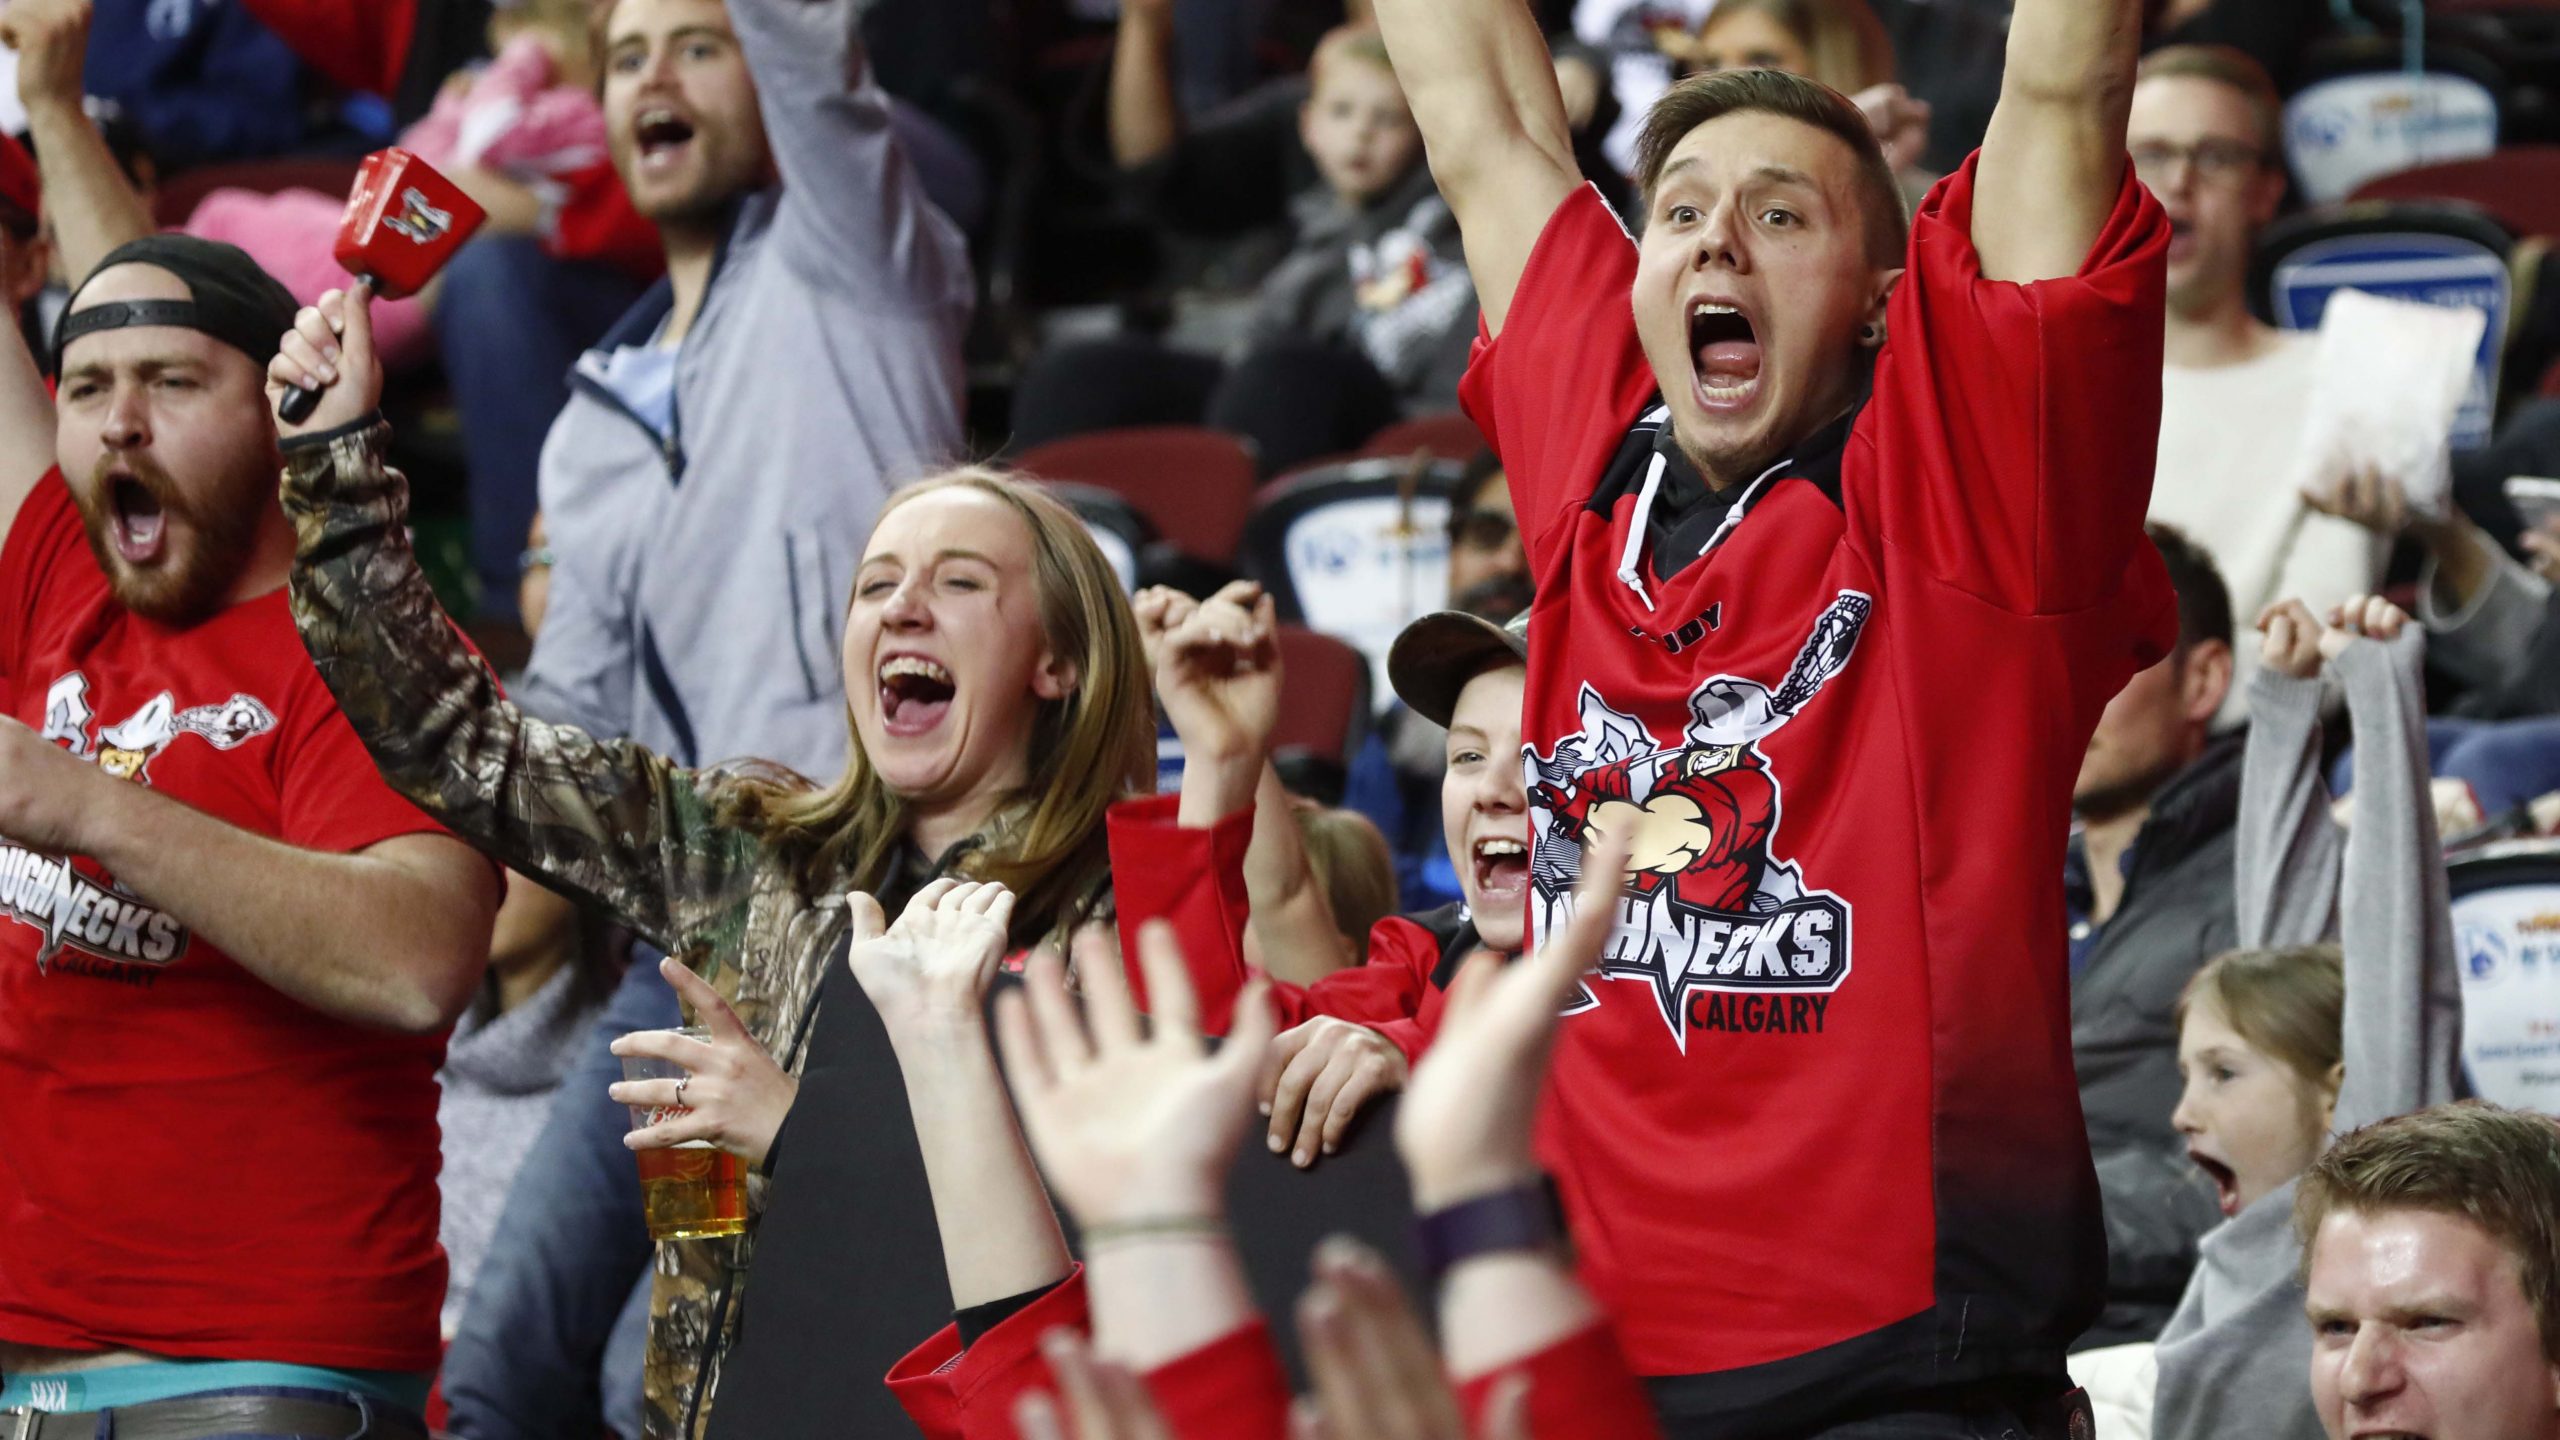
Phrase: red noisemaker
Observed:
(403, 222)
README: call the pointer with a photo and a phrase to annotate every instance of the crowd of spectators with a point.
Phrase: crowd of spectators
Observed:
(682, 639)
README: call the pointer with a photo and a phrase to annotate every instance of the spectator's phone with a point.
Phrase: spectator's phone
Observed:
(2537, 501)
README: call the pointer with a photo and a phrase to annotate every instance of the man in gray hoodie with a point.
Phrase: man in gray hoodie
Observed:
(707, 491)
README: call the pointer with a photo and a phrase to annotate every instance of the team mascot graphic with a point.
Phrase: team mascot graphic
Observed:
(1707, 907)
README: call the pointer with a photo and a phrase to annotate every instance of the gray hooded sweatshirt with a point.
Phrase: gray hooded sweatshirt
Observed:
(698, 601)
(2235, 1359)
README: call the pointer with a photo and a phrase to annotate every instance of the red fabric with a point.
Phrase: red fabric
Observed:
(956, 1394)
(1228, 1389)
(1844, 1109)
(1195, 878)
(197, 1165)
(359, 44)
(19, 184)
(1579, 1389)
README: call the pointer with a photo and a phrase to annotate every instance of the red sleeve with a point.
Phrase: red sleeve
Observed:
(2013, 427)
(1192, 878)
(1556, 390)
(45, 530)
(1230, 1389)
(956, 1394)
(1579, 1389)
(1386, 993)
(360, 44)
(332, 798)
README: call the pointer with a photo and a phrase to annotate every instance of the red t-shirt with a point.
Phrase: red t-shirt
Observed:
(1814, 1115)
(195, 1164)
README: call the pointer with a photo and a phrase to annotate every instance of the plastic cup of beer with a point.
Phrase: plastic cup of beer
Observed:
(692, 1191)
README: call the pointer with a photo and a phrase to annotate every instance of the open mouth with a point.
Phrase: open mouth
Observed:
(660, 133)
(2226, 1185)
(915, 693)
(1501, 870)
(1724, 347)
(136, 522)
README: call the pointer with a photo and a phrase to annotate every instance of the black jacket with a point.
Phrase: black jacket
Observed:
(2175, 915)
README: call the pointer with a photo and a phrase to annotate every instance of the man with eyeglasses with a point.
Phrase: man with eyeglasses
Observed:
(2205, 135)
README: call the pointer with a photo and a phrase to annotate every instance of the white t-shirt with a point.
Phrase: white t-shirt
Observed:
(2228, 441)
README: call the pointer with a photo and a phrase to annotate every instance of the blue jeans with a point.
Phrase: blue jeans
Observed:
(510, 321)
(2505, 762)
(550, 1345)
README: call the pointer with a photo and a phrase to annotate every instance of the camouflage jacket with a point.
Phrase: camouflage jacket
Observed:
(607, 821)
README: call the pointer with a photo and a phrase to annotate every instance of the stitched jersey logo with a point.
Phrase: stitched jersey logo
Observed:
(1709, 907)
(129, 940)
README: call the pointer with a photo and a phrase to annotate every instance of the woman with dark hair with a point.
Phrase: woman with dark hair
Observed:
(998, 703)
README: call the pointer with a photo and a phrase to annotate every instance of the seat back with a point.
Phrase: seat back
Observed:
(1324, 706)
(2360, 113)
(1357, 550)
(2432, 254)
(1445, 435)
(1118, 530)
(1194, 485)
(2518, 185)
(2506, 925)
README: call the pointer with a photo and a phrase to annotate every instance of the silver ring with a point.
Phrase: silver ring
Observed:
(681, 1083)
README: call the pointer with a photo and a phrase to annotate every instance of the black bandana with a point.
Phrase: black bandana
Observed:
(234, 301)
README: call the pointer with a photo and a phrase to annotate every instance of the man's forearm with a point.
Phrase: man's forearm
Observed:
(1500, 1309)
(26, 426)
(1146, 121)
(999, 1236)
(361, 939)
(93, 208)
(2076, 51)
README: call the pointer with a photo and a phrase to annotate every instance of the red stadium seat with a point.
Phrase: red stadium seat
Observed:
(1324, 711)
(1447, 435)
(1194, 485)
(178, 196)
(2519, 184)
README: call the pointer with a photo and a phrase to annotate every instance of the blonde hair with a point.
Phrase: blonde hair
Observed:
(1090, 748)
(2233, 69)
(1353, 864)
(2290, 1004)
(1356, 40)
(1845, 45)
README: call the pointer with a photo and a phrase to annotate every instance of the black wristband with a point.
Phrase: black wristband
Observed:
(1525, 1217)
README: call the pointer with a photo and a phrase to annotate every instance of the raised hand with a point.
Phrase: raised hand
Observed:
(1377, 1373)
(931, 968)
(2365, 497)
(52, 41)
(1900, 120)
(1131, 1122)
(1218, 673)
(1316, 1079)
(330, 348)
(2289, 639)
(1105, 1400)
(734, 1094)
(2361, 617)
(1463, 1129)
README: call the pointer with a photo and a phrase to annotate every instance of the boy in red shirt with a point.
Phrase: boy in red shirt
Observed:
(228, 952)
(1824, 621)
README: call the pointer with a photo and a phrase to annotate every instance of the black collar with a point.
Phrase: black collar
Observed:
(1687, 511)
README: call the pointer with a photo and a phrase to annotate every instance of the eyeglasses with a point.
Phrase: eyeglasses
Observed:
(1483, 530)
(2214, 160)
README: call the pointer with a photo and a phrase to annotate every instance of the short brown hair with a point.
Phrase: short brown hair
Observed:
(1701, 98)
(2224, 65)
(2497, 1168)
(1843, 40)
(2290, 1004)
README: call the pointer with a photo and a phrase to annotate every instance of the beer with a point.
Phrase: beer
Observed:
(693, 1191)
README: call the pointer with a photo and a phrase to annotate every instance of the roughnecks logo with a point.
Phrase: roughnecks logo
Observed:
(66, 905)
(1709, 908)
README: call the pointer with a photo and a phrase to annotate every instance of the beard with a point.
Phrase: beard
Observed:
(207, 537)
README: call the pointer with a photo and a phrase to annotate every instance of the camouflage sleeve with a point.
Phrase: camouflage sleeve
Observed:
(606, 820)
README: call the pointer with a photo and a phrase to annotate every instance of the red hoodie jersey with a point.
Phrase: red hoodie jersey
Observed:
(1813, 1114)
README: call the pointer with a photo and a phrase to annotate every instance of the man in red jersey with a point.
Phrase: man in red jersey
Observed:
(1837, 535)
(228, 952)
